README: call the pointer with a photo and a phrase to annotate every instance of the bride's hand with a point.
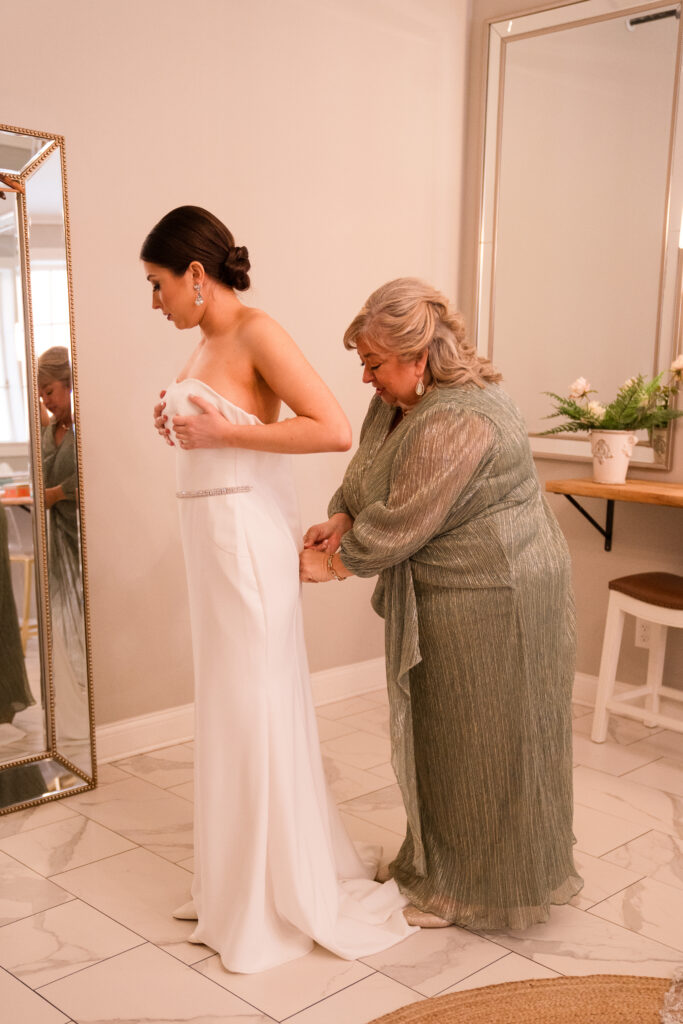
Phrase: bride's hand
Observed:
(327, 536)
(313, 567)
(207, 429)
(160, 419)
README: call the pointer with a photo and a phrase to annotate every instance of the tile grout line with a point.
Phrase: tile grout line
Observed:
(36, 993)
(643, 878)
(605, 899)
(95, 963)
(279, 1020)
(346, 988)
(433, 995)
(96, 860)
(615, 848)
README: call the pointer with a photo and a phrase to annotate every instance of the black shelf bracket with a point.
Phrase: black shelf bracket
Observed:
(609, 519)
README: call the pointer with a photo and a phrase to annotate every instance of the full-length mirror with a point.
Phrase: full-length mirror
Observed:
(46, 721)
(579, 263)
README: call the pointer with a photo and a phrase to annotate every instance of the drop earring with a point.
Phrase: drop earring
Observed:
(199, 298)
(420, 388)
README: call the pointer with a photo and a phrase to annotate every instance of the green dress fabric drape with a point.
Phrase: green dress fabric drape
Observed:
(474, 586)
(60, 467)
(15, 694)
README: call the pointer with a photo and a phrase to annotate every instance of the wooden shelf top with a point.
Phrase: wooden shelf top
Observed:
(28, 500)
(644, 491)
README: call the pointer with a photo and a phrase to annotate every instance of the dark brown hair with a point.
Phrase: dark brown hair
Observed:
(190, 233)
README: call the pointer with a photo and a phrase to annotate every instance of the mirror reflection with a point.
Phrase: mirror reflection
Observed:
(64, 567)
(577, 248)
(44, 693)
(22, 717)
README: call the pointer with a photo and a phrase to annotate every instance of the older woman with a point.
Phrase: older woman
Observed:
(441, 501)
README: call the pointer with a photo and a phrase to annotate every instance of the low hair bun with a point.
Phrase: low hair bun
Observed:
(191, 233)
(236, 268)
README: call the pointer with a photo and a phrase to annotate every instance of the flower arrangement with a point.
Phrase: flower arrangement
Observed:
(640, 404)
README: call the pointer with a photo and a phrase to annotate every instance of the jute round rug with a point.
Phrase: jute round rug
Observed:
(596, 999)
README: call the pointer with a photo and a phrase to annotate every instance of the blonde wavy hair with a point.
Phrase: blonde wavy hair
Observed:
(54, 364)
(407, 316)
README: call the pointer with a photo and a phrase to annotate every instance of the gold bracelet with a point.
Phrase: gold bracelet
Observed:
(331, 569)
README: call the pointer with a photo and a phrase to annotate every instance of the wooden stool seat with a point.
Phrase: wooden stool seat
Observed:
(657, 598)
(663, 589)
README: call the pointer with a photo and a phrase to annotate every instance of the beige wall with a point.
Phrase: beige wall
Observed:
(646, 538)
(328, 135)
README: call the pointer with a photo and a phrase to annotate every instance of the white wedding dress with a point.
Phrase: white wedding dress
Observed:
(274, 868)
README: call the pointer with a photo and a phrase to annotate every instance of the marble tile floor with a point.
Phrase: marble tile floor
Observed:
(87, 885)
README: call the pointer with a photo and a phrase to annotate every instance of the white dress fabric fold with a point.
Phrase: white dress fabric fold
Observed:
(274, 868)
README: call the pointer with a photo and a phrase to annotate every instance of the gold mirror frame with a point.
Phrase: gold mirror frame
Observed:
(50, 774)
(501, 33)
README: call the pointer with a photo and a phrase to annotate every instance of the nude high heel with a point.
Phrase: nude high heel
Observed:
(422, 919)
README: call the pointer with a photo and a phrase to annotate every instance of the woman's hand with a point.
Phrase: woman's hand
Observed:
(53, 495)
(327, 536)
(160, 418)
(313, 567)
(207, 429)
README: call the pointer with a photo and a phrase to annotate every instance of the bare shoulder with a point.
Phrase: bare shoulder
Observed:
(256, 327)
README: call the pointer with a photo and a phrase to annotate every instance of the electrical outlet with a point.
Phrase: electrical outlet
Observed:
(642, 633)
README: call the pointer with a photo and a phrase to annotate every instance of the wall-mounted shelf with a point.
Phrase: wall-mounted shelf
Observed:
(641, 491)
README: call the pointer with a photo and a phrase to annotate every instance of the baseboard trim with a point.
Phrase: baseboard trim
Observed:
(585, 689)
(348, 681)
(138, 735)
(143, 733)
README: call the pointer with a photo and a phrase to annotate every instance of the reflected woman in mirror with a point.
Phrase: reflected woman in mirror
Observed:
(274, 869)
(15, 694)
(60, 478)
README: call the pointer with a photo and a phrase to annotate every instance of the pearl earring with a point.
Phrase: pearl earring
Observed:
(420, 388)
(199, 298)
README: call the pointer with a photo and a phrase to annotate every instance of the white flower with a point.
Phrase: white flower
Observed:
(629, 382)
(596, 410)
(579, 388)
(677, 365)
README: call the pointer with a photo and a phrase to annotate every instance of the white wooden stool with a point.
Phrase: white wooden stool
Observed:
(658, 598)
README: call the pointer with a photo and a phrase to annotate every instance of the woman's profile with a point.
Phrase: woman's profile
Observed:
(274, 868)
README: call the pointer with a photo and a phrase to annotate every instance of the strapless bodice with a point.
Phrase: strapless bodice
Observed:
(240, 469)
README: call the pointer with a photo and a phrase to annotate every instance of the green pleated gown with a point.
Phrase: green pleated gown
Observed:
(474, 585)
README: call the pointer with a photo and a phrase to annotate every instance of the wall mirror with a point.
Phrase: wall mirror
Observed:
(46, 702)
(579, 269)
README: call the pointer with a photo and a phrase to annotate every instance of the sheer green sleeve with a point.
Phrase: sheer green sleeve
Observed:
(441, 454)
(337, 502)
(70, 486)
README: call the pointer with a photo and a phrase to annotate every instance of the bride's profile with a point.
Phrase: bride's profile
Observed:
(274, 870)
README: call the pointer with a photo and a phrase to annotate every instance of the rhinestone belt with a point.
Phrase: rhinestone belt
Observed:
(212, 491)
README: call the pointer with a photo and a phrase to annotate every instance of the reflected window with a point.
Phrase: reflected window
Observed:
(50, 301)
(13, 411)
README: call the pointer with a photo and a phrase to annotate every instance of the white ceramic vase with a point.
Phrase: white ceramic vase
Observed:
(611, 451)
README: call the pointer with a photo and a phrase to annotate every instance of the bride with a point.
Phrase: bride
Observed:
(274, 868)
